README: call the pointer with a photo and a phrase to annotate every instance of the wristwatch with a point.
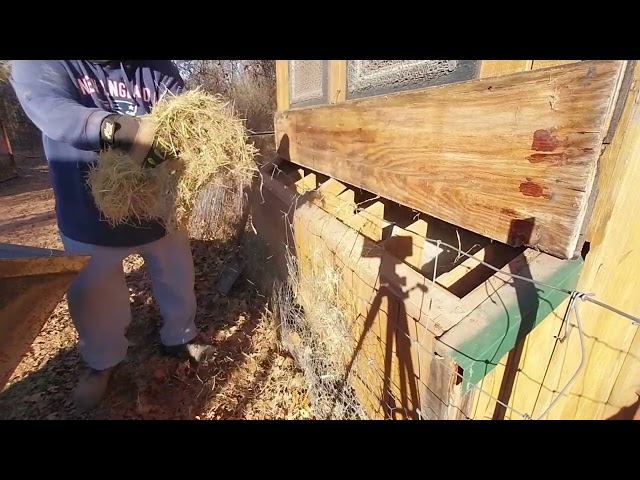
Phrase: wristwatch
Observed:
(108, 130)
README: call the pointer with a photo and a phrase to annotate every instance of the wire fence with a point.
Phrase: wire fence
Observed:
(359, 360)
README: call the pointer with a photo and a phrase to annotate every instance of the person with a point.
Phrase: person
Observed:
(81, 107)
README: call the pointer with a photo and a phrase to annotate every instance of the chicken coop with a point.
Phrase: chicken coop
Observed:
(430, 224)
(7, 163)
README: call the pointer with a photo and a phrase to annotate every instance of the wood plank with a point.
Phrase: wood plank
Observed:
(282, 85)
(326, 196)
(496, 68)
(346, 205)
(406, 245)
(449, 278)
(440, 150)
(306, 183)
(337, 81)
(508, 315)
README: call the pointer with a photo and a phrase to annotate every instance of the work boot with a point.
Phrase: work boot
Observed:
(91, 388)
(192, 351)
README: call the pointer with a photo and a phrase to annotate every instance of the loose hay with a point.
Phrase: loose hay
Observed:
(317, 319)
(210, 146)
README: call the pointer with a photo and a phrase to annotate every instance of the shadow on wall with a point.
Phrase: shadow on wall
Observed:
(632, 412)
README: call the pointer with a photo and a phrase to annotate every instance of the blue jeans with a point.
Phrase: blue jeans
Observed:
(99, 297)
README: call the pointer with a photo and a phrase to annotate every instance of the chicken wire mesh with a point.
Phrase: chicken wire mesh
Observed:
(218, 211)
(308, 82)
(375, 77)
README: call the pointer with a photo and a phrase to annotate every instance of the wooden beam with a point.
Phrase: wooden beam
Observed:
(511, 158)
(369, 221)
(282, 85)
(337, 81)
(306, 183)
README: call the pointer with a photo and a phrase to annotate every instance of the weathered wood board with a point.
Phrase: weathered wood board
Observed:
(512, 158)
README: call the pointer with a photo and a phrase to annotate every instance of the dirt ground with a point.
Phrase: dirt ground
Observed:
(249, 379)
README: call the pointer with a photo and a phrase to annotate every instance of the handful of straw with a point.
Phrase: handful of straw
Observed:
(208, 145)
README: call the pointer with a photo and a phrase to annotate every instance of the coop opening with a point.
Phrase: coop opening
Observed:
(461, 263)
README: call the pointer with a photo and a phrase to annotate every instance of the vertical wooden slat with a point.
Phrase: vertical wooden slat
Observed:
(495, 68)
(337, 81)
(282, 85)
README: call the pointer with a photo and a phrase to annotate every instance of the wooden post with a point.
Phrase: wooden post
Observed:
(282, 85)
(337, 81)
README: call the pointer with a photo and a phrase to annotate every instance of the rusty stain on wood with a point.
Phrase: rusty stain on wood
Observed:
(532, 189)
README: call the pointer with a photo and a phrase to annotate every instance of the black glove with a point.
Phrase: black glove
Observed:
(134, 135)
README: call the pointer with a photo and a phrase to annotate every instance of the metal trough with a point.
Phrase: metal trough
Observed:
(32, 283)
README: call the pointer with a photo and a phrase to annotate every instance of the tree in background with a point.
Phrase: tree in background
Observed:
(23, 134)
(249, 84)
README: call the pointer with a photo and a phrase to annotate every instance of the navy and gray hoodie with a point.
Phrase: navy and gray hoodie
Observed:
(67, 100)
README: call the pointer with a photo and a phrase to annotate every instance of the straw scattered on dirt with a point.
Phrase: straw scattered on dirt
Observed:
(207, 143)
(317, 319)
(250, 377)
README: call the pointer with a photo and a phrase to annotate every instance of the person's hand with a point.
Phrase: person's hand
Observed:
(134, 135)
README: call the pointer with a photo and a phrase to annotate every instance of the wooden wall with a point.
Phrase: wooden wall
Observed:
(530, 376)
(610, 376)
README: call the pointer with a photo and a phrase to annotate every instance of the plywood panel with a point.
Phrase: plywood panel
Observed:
(443, 150)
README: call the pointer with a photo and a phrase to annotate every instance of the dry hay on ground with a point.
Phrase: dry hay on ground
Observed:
(317, 316)
(209, 146)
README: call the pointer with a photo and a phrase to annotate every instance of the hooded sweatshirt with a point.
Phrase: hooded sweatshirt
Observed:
(67, 100)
